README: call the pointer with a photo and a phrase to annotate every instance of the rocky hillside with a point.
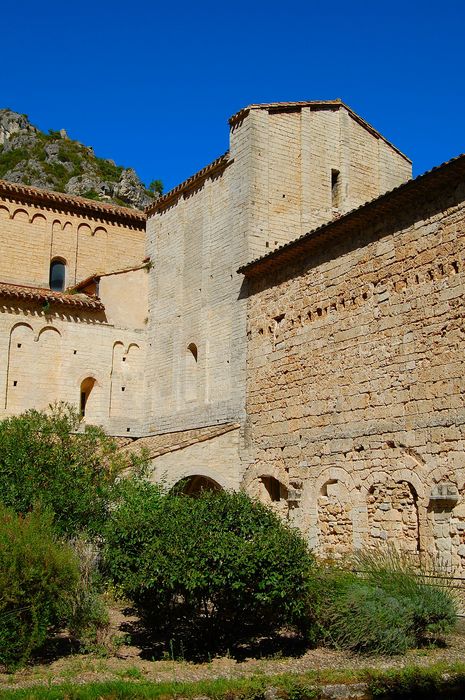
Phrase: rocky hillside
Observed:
(53, 161)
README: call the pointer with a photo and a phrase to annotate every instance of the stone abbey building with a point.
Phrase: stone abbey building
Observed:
(288, 320)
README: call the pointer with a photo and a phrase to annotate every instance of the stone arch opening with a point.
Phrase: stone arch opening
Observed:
(335, 525)
(197, 483)
(87, 386)
(393, 516)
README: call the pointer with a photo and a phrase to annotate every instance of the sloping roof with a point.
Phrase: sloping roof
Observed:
(68, 202)
(209, 170)
(388, 204)
(157, 445)
(293, 106)
(47, 296)
(98, 275)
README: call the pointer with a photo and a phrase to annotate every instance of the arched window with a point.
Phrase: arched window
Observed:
(86, 388)
(192, 347)
(57, 275)
(191, 372)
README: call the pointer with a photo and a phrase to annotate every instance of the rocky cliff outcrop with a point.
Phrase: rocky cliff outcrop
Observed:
(53, 161)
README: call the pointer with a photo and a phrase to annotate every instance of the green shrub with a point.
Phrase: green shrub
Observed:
(213, 569)
(87, 614)
(36, 574)
(43, 458)
(389, 607)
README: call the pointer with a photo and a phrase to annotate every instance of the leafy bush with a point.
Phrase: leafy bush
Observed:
(390, 607)
(36, 574)
(42, 457)
(88, 619)
(213, 569)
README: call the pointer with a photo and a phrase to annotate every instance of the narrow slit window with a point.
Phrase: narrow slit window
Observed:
(335, 189)
(86, 389)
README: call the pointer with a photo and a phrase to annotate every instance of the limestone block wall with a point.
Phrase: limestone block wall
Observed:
(46, 355)
(276, 185)
(306, 165)
(356, 383)
(215, 459)
(196, 328)
(124, 295)
(31, 235)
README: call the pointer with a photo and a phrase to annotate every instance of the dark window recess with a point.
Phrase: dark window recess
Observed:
(19, 345)
(86, 388)
(276, 490)
(335, 189)
(57, 275)
(123, 388)
(15, 383)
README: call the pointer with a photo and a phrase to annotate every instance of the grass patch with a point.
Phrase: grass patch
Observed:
(439, 681)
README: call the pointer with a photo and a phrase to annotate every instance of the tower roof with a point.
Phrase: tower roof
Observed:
(282, 107)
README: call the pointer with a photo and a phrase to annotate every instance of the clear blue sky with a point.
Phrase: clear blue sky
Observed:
(152, 85)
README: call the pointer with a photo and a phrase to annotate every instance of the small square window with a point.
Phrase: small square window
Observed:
(123, 388)
(15, 383)
(19, 345)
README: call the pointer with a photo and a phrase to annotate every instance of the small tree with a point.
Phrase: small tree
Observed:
(37, 573)
(43, 458)
(211, 570)
(156, 186)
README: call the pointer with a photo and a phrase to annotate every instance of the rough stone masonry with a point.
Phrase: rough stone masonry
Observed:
(355, 385)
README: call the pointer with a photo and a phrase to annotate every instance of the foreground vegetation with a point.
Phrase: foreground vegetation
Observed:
(207, 575)
(441, 681)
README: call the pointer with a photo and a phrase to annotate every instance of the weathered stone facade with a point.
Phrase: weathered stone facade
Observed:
(326, 379)
(356, 372)
(56, 346)
(289, 168)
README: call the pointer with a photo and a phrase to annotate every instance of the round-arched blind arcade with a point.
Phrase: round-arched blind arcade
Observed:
(57, 275)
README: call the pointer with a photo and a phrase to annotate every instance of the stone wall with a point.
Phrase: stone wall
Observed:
(274, 184)
(196, 329)
(32, 235)
(215, 459)
(294, 154)
(356, 379)
(48, 351)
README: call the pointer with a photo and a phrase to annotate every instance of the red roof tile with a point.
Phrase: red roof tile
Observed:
(207, 171)
(47, 296)
(68, 202)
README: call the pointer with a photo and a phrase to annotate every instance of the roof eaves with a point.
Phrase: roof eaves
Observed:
(208, 171)
(242, 113)
(329, 104)
(68, 202)
(365, 212)
(27, 293)
(145, 265)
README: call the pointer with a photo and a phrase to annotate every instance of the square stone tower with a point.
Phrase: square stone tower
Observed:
(290, 168)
